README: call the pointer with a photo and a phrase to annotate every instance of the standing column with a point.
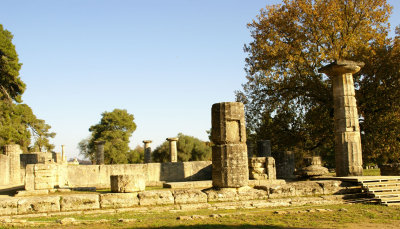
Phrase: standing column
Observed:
(172, 149)
(13, 151)
(264, 148)
(348, 155)
(62, 153)
(147, 151)
(229, 153)
(99, 152)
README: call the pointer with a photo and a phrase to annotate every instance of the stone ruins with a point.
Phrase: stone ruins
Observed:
(348, 153)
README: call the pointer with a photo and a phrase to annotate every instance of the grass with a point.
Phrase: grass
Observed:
(339, 216)
(366, 172)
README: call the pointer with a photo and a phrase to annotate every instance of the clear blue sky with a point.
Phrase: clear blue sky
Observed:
(166, 62)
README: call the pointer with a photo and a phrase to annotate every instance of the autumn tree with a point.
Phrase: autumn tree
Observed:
(115, 128)
(18, 124)
(189, 149)
(285, 97)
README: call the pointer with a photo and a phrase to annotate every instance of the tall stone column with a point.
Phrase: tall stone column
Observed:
(147, 151)
(348, 155)
(99, 152)
(62, 153)
(173, 152)
(264, 148)
(229, 153)
(13, 151)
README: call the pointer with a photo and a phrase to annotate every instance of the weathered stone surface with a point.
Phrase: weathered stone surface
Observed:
(80, 202)
(228, 126)
(271, 168)
(100, 152)
(31, 193)
(223, 194)
(248, 193)
(128, 183)
(13, 151)
(29, 178)
(189, 196)
(390, 169)
(189, 184)
(230, 166)
(348, 154)
(8, 206)
(148, 198)
(4, 169)
(173, 152)
(313, 168)
(38, 204)
(147, 151)
(119, 200)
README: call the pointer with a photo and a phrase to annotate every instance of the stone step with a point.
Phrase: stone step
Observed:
(386, 194)
(384, 189)
(390, 200)
(382, 184)
(379, 179)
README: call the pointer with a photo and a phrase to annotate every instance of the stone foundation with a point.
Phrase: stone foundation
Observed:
(127, 183)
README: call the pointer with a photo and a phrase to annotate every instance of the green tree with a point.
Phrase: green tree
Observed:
(17, 121)
(136, 155)
(11, 85)
(115, 128)
(189, 149)
(286, 99)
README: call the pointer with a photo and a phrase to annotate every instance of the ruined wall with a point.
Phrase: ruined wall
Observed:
(99, 175)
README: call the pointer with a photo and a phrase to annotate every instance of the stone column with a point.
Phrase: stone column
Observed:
(264, 148)
(99, 152)
(173, 152)
(147, 151)
(285, 165)
(229, 153)
(13, 151)
(348, 155)
(62, 153)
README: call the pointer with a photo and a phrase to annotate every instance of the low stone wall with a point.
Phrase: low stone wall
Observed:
(38, 175)
(178, 199)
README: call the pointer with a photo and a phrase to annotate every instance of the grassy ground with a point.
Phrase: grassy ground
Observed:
(330, 216)
(366, 172)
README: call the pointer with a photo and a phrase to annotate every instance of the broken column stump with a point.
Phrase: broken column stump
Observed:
(100, 152)
(172, 149)
(348, 155)
(229, 153)
(147, 151)
(262, 168)
(127, 183)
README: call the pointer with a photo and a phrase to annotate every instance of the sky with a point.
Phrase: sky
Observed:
(165, 62)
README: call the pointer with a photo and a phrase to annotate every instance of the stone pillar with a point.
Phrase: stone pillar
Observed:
(62, 153)
(229, 153)
(348, 155)
(147, 151)
(173, 152)
(264, 148)
(14, 151)
(285, 165)
(250, 149)
(99, 152)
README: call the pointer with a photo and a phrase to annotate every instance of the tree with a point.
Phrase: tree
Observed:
(17, 121)
(286, 99)
(189, 149)
(136, 155)
(115, 128)
(11, 85)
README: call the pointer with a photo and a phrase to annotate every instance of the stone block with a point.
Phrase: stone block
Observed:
(248, 193)
(223, 194)
(128, 183)
(189, 196)
(258, 176)
(256, 164)
(29, 178)
(230, 166)
(271, 169)
(38, 204)
(228, 123)
(31, 193)
(80, 202)
(8, 206)
(148, 198)
(119, 200)
(4, 169)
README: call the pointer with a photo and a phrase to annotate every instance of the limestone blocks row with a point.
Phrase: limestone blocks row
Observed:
(262, 168)
(40, 176)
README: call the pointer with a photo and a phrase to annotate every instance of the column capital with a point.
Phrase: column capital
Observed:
(147, 141)
(341, 67)
(172, 139)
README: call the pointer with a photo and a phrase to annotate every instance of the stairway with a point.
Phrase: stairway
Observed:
(383, 190)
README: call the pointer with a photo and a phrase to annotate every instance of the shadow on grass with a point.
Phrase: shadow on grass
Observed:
(219, 226)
